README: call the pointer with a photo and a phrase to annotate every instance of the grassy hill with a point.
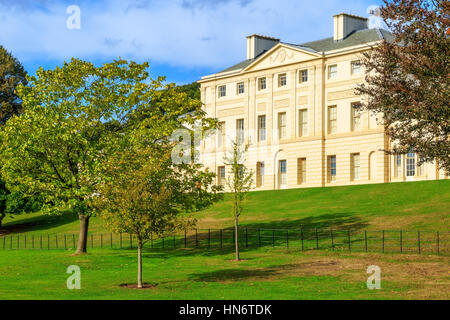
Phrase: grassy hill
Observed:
(409, 206)
(266, 272)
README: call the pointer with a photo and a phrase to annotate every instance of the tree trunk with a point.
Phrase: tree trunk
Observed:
(83, 236)
(139, 264)
(236, 236)
(2, 215)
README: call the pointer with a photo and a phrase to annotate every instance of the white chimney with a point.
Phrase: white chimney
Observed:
(257, 44)
(344, 24)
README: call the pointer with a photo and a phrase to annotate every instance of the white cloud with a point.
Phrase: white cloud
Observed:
(188, 33)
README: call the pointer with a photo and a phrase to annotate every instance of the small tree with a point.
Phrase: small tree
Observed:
(149, 196)
(407, 78)
(239, 182)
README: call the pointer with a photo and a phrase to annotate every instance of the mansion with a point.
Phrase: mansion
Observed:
(295, 105)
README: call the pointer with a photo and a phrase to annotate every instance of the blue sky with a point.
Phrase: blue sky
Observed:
(182, 39)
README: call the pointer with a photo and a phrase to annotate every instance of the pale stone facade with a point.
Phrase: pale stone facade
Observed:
(300, 115)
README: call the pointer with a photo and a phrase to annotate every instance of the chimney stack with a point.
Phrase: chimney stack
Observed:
(344, 24)
(257, 44)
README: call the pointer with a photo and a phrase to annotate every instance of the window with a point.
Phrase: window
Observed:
(332, 71)
(240, 131)
(282, 80)
(261, 128)
(398, 165)
(303, 76)
(301, 170)
(420, 168)
(282, 173)
(356, 67)
(240, 88)
(332, 168)
(222, 91)
(355, 166)
(332, 119)
(356, 116)
(221, 175)
(259, 174)
(261, 83)
(303, 122)
(410, 164)
(282, 125)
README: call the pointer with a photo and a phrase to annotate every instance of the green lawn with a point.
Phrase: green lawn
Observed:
(181, 274)
(409, 206)
(266, 272)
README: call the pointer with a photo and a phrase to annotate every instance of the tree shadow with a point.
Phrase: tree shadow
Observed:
(36, 223)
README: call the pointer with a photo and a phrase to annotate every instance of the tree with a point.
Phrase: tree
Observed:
(12, 74)
(239, 183)
(147, 194)
(73, 119)
(407, 78)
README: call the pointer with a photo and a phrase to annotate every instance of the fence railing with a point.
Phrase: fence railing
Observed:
(389, 241)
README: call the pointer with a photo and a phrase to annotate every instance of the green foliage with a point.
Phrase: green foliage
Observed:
(12, 74)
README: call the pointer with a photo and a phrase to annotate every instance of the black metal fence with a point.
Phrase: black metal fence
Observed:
(389, 241)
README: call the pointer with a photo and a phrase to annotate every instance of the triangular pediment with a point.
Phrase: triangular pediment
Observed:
(281, 54)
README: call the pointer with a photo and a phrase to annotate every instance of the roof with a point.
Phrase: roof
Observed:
(355, 38)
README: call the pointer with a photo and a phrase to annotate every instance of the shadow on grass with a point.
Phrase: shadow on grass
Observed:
(36, 223)
(276, 271)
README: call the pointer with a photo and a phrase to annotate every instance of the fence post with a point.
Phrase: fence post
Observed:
(151, 240)
(32, 242)
(41, 240)
(332, 240)
(196, 237)
(349, 241)
(437, 242)
(221, 239)
(174, 241)
(18, 239)
(92, 240)
(65, 241)
(25, 241)
(185, 238)
(209, 238)
(48, 242)
(287, 238)
(56, 240)
(163, 242)
(101, 240)
(401, 241)
(246, 237)
(317, 240)
(365, 239)
(418, 240)
(259, 237)
(131, 241)
(120, 240)
(110, 239)
(273, 238)
(382, 240)
(301, 237)
(4, 242)
(73, 240)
